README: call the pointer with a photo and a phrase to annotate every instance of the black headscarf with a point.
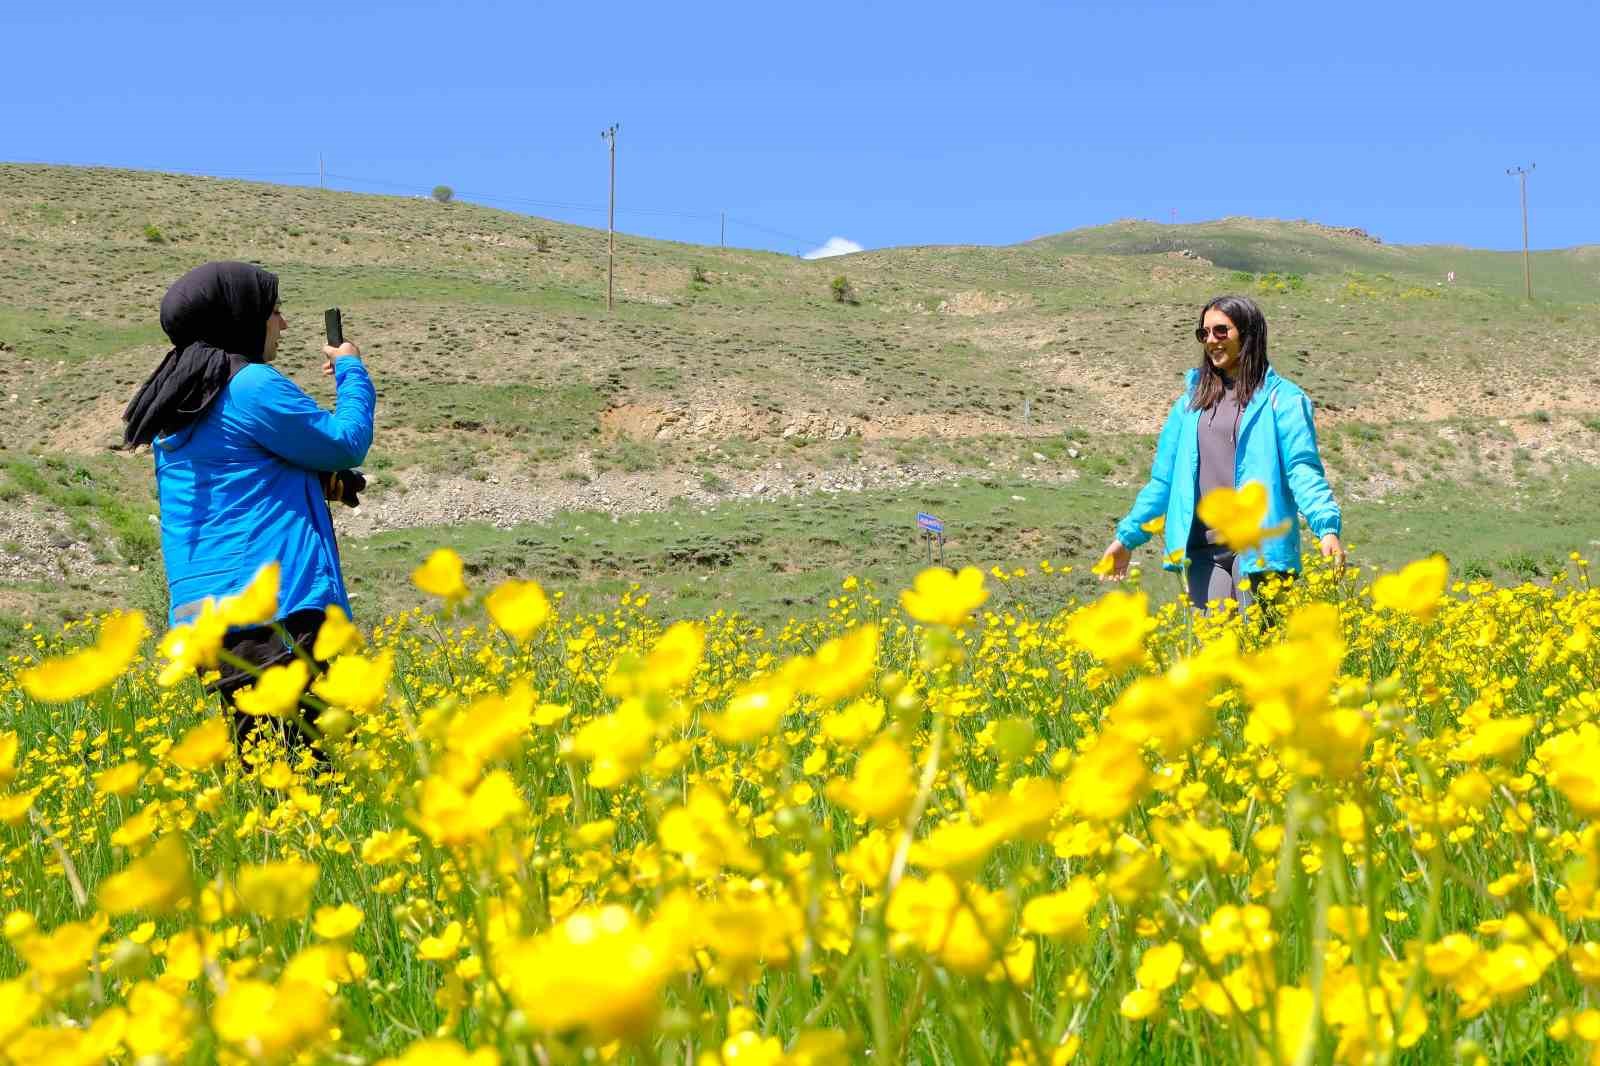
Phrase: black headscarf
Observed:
(216, 317)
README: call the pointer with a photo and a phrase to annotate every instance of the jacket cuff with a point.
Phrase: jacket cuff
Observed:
(1131, 536)
(1324, 526)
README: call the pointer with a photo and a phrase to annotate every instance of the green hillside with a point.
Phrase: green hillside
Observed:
(733, 426)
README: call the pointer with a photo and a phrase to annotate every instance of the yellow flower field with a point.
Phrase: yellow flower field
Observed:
(929, 827)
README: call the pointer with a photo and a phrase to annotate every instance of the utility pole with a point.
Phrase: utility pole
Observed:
(724, 229)
(1527, 267)
(321, 174)
(610, 137)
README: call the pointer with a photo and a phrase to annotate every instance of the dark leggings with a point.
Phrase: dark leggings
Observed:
(1215, 574)
(264, 646)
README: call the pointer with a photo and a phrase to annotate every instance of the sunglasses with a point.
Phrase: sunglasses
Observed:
(1218, 332)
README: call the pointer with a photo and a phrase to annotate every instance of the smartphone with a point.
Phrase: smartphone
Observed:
(335, 326)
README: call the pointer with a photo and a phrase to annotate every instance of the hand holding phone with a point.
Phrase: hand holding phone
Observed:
(337, 346)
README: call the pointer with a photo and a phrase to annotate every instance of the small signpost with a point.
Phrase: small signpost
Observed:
(932, 529)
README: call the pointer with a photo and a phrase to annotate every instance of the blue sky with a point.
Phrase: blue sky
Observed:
(884, 124)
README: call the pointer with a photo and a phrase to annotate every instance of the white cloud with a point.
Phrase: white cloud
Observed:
(834, 246)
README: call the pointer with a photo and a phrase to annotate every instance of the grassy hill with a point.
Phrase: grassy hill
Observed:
(733, 428)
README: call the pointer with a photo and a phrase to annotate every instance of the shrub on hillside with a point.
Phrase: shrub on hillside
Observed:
(843, 291)
(443, 193)
(152, 234)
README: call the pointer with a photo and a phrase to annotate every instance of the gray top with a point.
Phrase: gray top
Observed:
(1218, 441)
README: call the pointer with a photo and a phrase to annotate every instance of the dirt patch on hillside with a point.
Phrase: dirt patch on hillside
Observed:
(724, 421)
(39, 547)
(976, 302)
(93, 429)
(684, 421)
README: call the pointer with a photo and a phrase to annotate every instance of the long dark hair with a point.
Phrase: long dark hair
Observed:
(1252, 368)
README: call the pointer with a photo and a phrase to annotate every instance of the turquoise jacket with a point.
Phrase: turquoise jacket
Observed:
(239, 489)
(1277, 447)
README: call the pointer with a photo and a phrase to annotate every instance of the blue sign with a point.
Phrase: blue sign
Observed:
(928, 522)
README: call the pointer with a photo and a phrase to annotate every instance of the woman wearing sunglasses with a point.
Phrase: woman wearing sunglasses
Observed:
(1237, 421)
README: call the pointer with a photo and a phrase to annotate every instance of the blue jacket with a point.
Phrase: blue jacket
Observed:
(1277, 447)
(238, 489)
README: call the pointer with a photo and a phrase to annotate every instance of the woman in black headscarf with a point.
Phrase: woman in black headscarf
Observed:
(242, 454)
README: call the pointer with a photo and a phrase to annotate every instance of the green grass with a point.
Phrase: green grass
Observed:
(784, 558)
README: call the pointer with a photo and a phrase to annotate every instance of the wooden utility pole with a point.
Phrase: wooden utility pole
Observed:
(610, 137)
(1527, 265)
(321, 174)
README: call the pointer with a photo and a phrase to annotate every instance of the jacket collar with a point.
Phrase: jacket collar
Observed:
(1261, 399)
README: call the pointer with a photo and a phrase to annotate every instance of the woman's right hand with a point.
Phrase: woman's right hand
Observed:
(1119, 557)
(343, 350)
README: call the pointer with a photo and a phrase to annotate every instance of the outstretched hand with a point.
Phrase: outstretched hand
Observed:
(1113, 565)
(343, 350)
(1333, 549)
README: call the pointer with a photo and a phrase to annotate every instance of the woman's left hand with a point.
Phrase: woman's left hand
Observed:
(1333, 549)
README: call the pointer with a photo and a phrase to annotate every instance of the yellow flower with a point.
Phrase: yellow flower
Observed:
(1159, 966)
(1064, 913)
(438, 1052)
(1140, 1003)
(71, 677)
(753, 712)
(119, 780)
(1237, 516)
(842, 667)
(1155, 525)
(138, 828)
(189, 647)
(442, 948)
(8, 757)
(702, 832)
(272, 1022)
(882, 787)
(938, 597)
(1572, 766)
(14, 808)
(336, 636)
(278, 890)
(675, 658)
(354, 682)
(60, 958)
(154, 884)
(440, 575)
(493, 727)
(257, 602)
(857, 721)
(598, 971)
(388, 845)
(205, 745)
(161, 1023)
(276, 692)
(1416, 589)
(1113, 628)
(1493, 738)
(1107, 779)
(518, 607)
(1173, 714)
(958, 927)
(337, 923)
(616, 744)
(453, 816)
